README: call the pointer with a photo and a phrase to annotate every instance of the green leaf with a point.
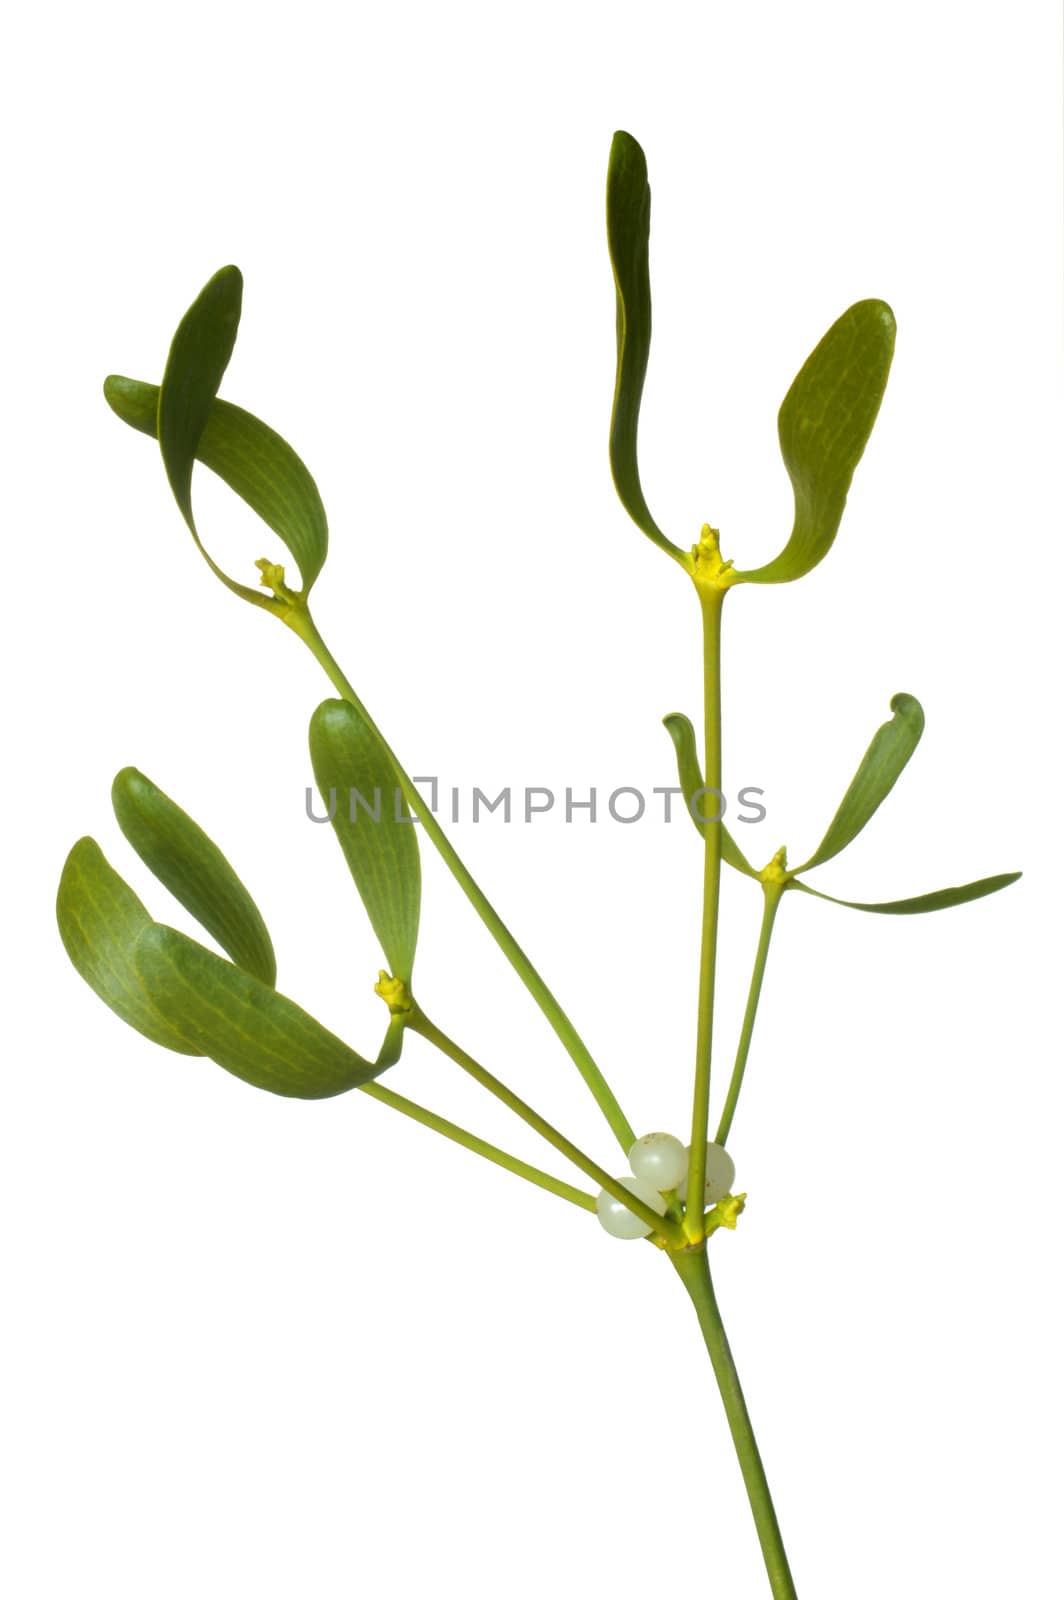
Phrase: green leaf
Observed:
(392, 1048)
(939, 900)
(628, 235)
(243, 1024)
(824, 424)
(682, 735)
(358, 784)
(194, 870)
(199, 355)
(256, 463)
(100, 920)
(881, 767)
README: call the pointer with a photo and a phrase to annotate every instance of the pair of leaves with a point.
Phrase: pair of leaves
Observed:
(172, 989)
(191, 424)
(824, 422)
(880, 768)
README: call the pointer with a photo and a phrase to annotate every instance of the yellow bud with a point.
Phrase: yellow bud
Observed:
(394, 993)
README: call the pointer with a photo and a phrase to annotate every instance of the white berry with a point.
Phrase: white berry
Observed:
(720, 1174)
(616, 1217)
(660, 1158)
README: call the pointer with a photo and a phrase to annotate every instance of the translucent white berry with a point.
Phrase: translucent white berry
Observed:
(660, 1158)
(720, 1174)
(616, 1217)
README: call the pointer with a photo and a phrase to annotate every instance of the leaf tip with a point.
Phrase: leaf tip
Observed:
(128, 781)
(879, 311)
(85, 846)
(119, 393)
(907, 705)
(226, 285)
(331, 715)
(625, 149)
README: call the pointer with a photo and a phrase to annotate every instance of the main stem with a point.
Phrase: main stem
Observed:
(302, 624)
(712, 599)
(693, 1268)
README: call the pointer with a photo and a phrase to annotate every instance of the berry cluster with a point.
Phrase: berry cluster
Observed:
(659, 1168)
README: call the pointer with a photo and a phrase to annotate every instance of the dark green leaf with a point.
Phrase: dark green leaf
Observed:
(682, 735)
(194, 870)
(628, 234)
(358, 784)
(243, 1024)
(881, 767)
(824, 424)
(199, 355)
(100, 920)
(255, 462)
(939, 900)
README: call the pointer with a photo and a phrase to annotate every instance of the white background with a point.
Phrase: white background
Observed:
(263, 1349)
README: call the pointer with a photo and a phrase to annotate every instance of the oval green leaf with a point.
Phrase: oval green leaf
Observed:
(628, 236)
(100, 920)
(938, 900)
(882, 765)
(241, 1023)
(194, 870)
(359, 786)
(682, 735)
(253, 460)
(824, 424)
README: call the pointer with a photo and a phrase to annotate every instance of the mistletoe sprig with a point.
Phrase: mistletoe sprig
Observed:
(183, 995)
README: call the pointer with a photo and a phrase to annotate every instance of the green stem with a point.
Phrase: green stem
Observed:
(693, 1268)
(773, 895)
(302, 624)
(712, 601)
(419, 1023)
(480, 1147)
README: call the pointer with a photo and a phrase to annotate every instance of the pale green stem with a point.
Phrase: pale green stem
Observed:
(693, 1268)
(419, 1023)
(773, 895)
(302, 624)
(712, 601)
(480, 1147)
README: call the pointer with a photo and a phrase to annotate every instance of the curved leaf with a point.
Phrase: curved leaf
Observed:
(199, 355)
(243, 1024)
(194, 870)
(628, 235)
(682, 735)
(255, 462)
(881, 766)
(824, 424)
(359, 786)
(938, 900)
(100, 920)
(392, 1047)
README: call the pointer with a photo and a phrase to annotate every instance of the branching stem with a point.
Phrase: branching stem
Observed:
(480, 1147)
(419, 1023)
(302, 624)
